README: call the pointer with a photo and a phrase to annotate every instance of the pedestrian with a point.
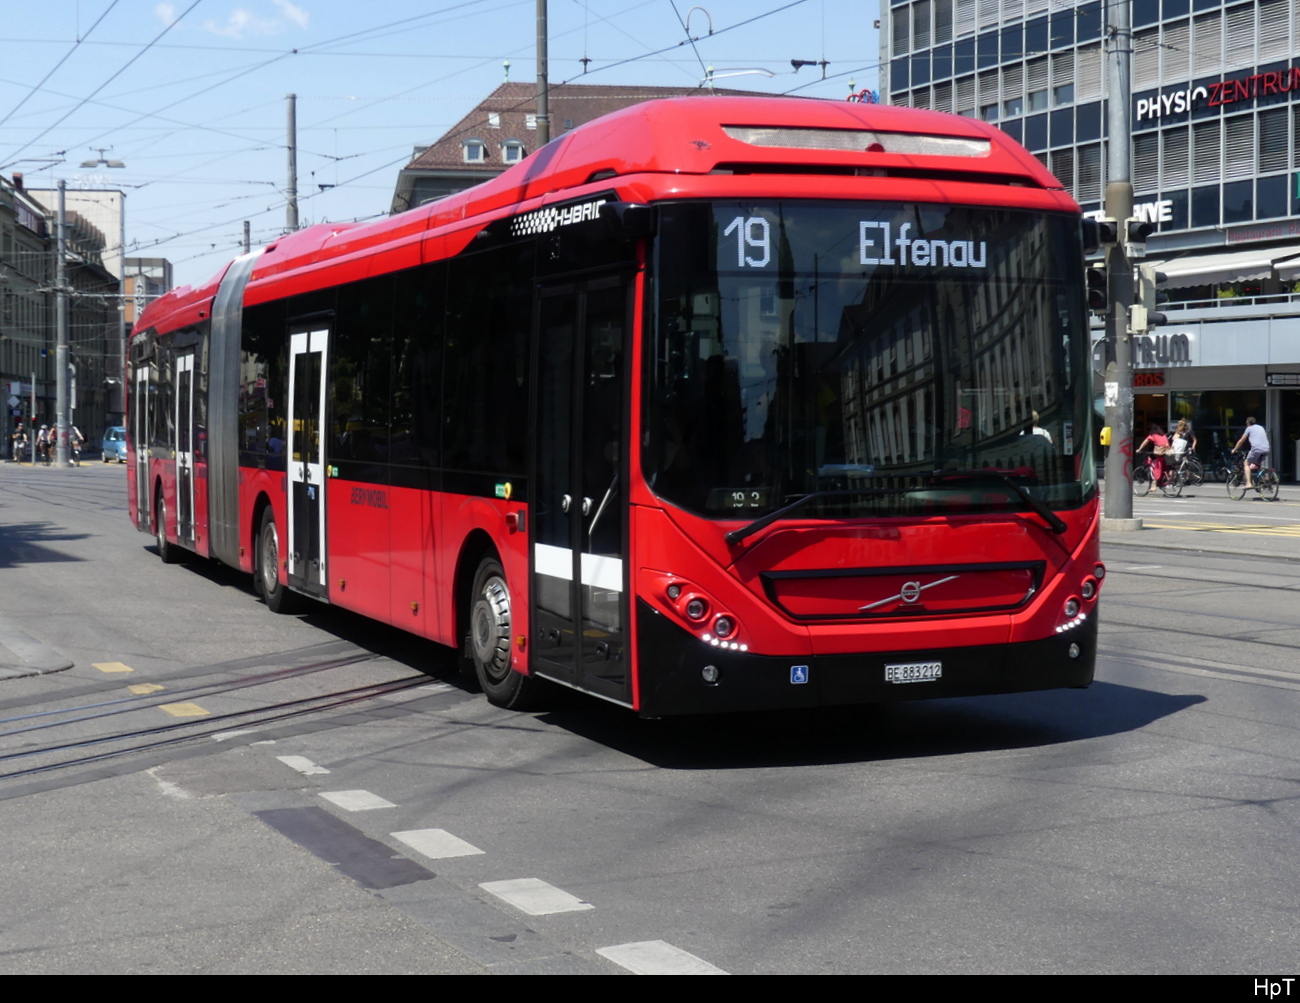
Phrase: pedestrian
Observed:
(18, 443)
(1259, 447)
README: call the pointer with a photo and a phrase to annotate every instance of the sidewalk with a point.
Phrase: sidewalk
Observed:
(1204, 519)
(23, 655)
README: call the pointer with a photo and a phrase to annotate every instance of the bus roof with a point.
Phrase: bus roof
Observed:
(674, 137)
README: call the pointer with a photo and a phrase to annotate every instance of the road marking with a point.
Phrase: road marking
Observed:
(183, 709)
(141, 689)
(1143, 567)
(534, 896)
(356, 800)
(436, 843)
(1290, 530)
(111, 667)
(656, 957)
(223, 736)
(302, 764)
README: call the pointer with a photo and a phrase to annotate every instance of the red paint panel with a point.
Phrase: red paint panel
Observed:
(356, 541)
(960, 590)
(412, 576)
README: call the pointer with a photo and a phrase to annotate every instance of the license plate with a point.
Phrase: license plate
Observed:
(914, 672)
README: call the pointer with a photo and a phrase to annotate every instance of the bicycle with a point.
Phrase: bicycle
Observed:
(1221, 466)
(1192, 470)
(1266, 481)
(1171, 482)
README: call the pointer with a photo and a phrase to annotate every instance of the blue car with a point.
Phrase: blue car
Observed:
(114, 444)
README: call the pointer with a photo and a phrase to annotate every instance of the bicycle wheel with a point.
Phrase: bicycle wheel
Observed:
(1172, 483)
(1195, 472)
(1219, 470)
(1141, 480)
(1236, 485)
(1268, 484)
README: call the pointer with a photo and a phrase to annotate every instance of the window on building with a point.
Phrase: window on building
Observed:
(475, 151)
(494, 120)
(512, 151)
(530, 121)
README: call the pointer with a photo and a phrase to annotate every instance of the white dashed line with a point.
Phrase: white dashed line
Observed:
(655, 957)
(225, 736)
(356, 800)
(303, 765)
(436, 843)
(415, 693)
(534, 896)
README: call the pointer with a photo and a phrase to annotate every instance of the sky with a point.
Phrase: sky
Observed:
(190, 95)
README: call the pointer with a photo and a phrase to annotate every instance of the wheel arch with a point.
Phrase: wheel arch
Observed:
(474, 549)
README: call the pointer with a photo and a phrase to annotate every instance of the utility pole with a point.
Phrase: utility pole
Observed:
(246, 240)
(291, 209)
(543, 87)
(61, 325)
(1118, 502)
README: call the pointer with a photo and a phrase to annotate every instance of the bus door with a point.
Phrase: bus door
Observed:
(142, 436)
(306, 461)
(580, 593)
(185, 447)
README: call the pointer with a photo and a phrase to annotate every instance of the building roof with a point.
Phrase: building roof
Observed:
(509, 114)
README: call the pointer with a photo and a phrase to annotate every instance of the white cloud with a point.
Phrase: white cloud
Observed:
(165, 12)
(241, 21)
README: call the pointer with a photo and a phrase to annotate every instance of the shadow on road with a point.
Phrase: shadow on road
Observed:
(880, 732)
(30, 543)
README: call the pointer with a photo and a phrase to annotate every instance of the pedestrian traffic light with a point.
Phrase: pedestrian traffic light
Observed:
(1144, 314)
(1136, 232)
(1098, 299)
(1099, 233)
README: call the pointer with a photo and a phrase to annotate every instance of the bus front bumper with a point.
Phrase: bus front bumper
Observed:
(672, 677)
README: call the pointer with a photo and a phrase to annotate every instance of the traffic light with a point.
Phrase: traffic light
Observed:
(1099, 233)
(1136, 232)
(1098, 298)
(1144, 314)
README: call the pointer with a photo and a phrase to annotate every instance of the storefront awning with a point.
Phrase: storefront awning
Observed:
(1288, 269)
(1232, 266)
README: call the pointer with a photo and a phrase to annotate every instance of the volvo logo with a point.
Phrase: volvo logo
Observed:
(909, 593)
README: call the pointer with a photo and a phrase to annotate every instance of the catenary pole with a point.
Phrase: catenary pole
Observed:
(61, 328)
(291, 206)
(1118, 501)
(543, 87)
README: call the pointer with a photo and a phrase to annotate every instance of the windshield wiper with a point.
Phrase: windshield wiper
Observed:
(736, 535)
(1054, 522)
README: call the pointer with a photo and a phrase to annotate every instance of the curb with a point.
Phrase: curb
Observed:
(22, 655)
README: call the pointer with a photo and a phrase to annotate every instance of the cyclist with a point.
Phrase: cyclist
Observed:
(1259, 448)
(1160, 447)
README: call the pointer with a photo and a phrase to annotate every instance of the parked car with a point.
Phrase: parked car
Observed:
(114, 444)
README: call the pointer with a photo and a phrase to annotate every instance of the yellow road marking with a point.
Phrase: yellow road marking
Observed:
(1211, 527)
(183, 709)
(140, 689)
(111, 667)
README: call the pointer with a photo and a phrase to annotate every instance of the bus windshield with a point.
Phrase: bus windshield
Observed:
(890, 359)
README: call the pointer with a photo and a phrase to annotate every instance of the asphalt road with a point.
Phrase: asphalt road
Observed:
(334, 798)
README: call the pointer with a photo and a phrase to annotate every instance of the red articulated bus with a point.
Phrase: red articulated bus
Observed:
(712, 404)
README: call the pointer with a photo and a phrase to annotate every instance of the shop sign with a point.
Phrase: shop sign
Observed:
(1218, 93)
(1154, 379)
(1282, 379)
(1150, 350)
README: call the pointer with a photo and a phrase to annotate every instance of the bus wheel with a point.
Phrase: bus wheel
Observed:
(490, 637)
(169, 553)
(279, 599)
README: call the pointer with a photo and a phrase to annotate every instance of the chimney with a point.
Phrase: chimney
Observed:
(18, 180)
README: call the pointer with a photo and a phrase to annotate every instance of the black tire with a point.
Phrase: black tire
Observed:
(266, 569)
(1142, 480)
(487, 647)
(1236, 485)
(1268, 484)
(169, 552)
(1195, 472)
(1172, 485)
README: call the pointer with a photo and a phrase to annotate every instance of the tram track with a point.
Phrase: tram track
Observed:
(197, 730)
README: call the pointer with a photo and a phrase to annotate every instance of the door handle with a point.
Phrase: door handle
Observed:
(565, 503)
(586, 506)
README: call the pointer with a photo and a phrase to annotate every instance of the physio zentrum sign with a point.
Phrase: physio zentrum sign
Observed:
(1216, 93)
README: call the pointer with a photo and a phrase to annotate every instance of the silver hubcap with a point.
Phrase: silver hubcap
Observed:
(491, 628)
(270, 559)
